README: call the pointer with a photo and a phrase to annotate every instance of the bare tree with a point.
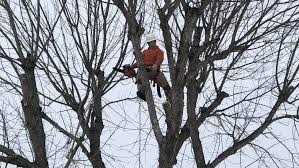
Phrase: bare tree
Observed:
(231, 57)
(59, 51)
(232, 66)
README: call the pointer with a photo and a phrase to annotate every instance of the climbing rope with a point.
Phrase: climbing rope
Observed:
(139, 136)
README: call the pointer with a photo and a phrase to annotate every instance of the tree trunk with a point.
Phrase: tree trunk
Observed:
(97, 125)
(95, 142)
(95, 151)
(164, 161)
(167, 154)
(33, 120)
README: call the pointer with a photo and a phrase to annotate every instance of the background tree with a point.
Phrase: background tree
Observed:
(226, 67)
(53, 58)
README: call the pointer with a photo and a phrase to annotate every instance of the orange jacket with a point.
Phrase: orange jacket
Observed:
(151, 56)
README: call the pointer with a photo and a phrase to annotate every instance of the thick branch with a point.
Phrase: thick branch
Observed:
(238, 145)
(15, 159)
(135, 31)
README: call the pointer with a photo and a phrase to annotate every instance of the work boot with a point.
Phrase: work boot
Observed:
(141, 95)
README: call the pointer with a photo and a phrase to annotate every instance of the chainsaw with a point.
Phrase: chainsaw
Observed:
(128, 71)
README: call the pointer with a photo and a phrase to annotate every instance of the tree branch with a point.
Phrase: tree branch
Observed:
(15, 159)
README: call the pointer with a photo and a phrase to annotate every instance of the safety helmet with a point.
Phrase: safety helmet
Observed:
(150, 37)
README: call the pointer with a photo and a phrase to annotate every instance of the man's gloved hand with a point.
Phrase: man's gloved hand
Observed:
(154, 68)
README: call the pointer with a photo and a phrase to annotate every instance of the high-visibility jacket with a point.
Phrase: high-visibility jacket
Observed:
(151, 56)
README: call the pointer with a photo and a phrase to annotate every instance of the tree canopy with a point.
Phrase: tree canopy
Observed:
(232, 65)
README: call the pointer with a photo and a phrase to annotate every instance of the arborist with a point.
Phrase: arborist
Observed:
(153, 57)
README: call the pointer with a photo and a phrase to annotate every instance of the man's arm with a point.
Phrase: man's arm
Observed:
(158, 61)
(159, 58)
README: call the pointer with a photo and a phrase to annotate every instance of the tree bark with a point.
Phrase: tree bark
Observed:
(167, 157)
(97, 125)
(32, 114)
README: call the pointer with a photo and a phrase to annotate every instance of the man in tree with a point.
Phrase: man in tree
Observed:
(153, 57)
